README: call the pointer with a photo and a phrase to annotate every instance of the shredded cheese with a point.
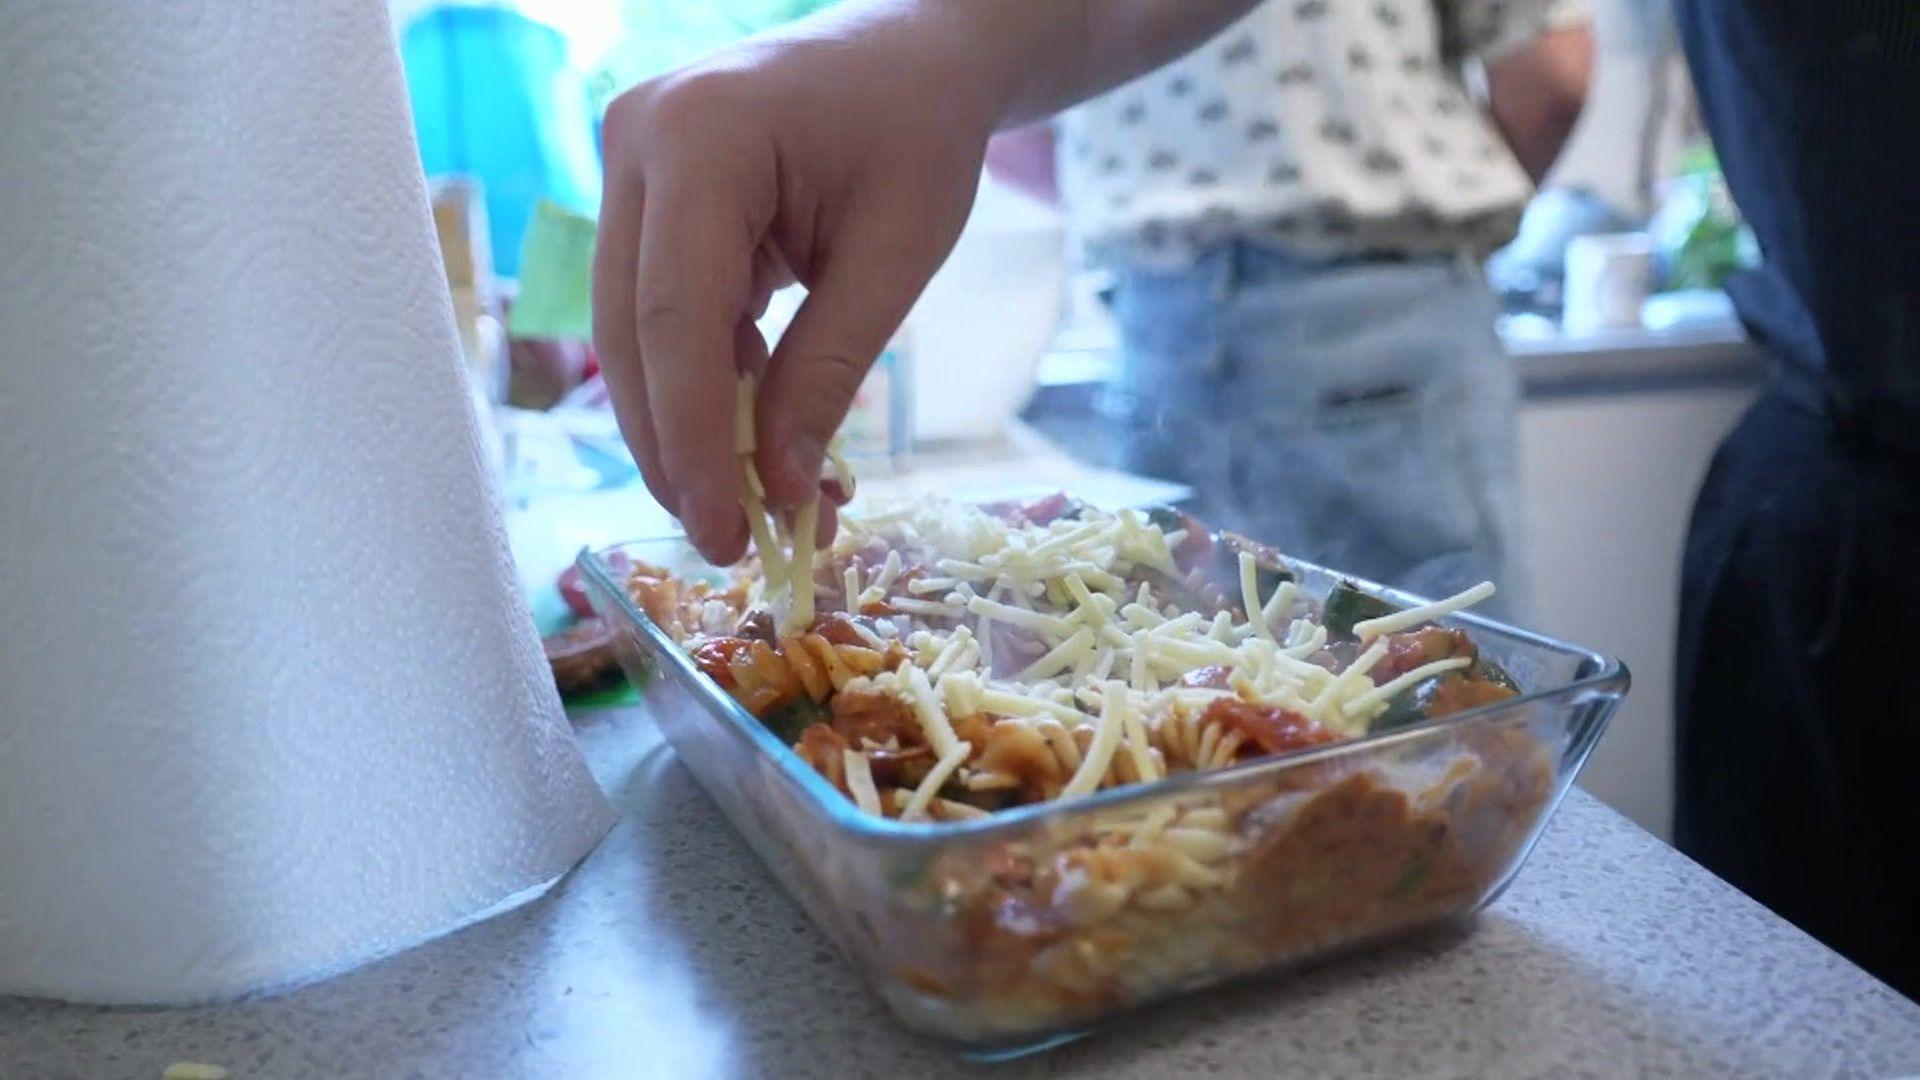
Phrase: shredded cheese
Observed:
(837, 465)
(860, 781)
(789, 577)
(1012, 704)
(916, 807)
(1280, 605)
(957, 653)
(773, 564)
(1051, 625)
(1145, 765)
(1058, 658)
(1323, 704)
(806, 524)
(873, 640)
(1106, 739)
(926, 709)
(1385, 692)
(1112, 653)
(1250, 596)
(925, 607)
(1369, 629)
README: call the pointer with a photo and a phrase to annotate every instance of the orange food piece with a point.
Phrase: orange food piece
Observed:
(715, 657)
(820, 746)
(905, 767)
(838, 629)
(1016, 750)
(875, 717)
(1459, 694)
(1414, 648)
(1213, 677)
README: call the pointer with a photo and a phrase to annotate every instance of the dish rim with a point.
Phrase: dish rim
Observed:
(1605, 673)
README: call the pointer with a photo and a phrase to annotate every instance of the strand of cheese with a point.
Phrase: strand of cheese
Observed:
(805, 525)
(1106, 739)
(916, 807)
(1324, 703)
(1380, 695)
(860, 781)
(1145, 765)
(1250, 596)
(1058, 658)
(926, 708)
(1367, 629)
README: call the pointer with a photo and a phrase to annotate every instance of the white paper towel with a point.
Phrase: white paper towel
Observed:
(270, 703)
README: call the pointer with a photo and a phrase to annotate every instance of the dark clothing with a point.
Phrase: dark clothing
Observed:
(1798, 712)
(1798, 704)
(1814, 109)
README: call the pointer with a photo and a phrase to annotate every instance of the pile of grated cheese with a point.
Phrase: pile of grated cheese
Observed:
(1114, 653)
(782, 546)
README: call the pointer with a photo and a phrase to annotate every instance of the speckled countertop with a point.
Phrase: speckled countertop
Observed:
(671, 953)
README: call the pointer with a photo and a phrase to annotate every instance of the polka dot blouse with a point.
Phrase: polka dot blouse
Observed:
(1326, 127)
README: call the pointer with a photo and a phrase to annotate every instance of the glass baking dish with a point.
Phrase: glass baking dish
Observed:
(1014, 930)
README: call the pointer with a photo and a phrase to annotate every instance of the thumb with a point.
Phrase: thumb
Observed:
(820, 363)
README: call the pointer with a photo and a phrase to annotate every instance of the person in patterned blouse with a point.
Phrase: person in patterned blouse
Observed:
(1294, 216)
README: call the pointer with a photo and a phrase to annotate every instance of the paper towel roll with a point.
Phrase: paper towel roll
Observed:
(270, 702)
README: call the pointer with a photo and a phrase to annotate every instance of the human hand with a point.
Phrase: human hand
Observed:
(847, 165)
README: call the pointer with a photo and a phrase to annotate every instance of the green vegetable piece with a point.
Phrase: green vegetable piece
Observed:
(1166, 518)
(1486, 670)
(1409, 706)
(1416, 873)
(1346, 606)
(1272, 570)
(788, 721)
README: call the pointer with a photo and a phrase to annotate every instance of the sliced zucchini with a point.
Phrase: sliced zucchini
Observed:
(1409, 706)
(1346, 606)
(789, 720)
(1166, 518)
(1488, 671)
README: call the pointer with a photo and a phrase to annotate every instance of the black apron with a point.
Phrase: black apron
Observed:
(1798, 701)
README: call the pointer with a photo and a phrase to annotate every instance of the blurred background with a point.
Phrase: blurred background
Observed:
(1629, 363)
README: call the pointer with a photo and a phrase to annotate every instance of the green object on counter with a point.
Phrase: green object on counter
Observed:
(617, 696)
(555, 301)
(1698, 229)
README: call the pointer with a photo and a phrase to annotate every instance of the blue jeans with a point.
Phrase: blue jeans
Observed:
(1360, 415)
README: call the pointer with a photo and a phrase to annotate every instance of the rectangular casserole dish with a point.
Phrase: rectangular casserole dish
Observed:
(1275, 861)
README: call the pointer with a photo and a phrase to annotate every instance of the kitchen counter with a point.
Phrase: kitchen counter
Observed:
(669, 952)
(1550, 363)
(1554, 365)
